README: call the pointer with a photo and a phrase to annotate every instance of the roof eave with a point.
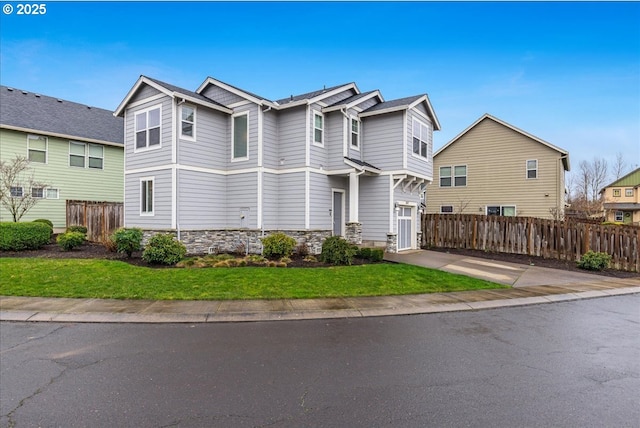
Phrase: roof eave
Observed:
(201, 102)
(59, 135)
(239, 92)
(141, 80)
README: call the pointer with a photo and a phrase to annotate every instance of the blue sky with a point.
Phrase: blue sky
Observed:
(568, 73)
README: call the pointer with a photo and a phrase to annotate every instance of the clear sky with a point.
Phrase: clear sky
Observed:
(568, 73)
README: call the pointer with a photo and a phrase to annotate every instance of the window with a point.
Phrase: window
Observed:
(318, 128)
(532, 168)
(37, 192)
(504, 210)
(616, 193)
(96, 156)
(146, 196)
(53, 193)
(619, 216)
(37, 147)
(16, 192)
(446, 209)
(420, 138)
(77, 154)
(459, 176)
(628, 193)
(240, 136)
(188, 122)
(148, 128)
(355, 133)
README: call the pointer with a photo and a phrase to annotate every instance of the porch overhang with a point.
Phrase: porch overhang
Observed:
(362, 166)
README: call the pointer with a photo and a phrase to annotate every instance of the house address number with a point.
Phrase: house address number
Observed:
(26, 9)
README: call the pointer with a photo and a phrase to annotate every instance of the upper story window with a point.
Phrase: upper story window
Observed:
(420, 139)
(318, 128)
(616, 193)
(188, 122)
(148, 128)
(83, 154)
(240, 136)
(37, 147)
(457, 179)
(355, 133)
(628, 193)
(532, 168)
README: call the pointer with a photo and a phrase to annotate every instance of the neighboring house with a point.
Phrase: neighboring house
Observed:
(622, 199)
(494, 168)
(74, 148)
(221, 167)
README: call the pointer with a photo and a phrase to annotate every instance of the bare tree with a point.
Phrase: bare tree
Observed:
(19, 191)
(621, 167)
(463, 204)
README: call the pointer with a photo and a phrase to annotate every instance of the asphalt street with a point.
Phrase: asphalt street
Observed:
(567, 364)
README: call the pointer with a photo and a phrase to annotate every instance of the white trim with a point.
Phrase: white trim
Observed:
(333, 209)
(46, 147)
(391, 205)
(240, 104)
(426, 126)
(307, 198)
(354, 196)
(84, 156)
(167, 167)
(95, 157)
(313, 127)
(405, 138)
(260, 137)
(453, 176)
(359, 133)
(135, 129)
(345, 134)
(174, 197)
(141, 80)
(174, 132)
(239, 92)
(153, 202)
(260, 200)
(233, 117)
(526, 169)
(193, 123)
(63, 136)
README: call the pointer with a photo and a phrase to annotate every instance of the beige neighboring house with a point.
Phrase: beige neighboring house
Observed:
(622, 199)
(494, 168)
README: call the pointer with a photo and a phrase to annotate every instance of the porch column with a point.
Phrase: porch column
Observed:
(354, 196)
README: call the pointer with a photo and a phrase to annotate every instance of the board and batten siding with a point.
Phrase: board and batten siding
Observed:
(202, 200)
(73, 183)
(241, 195)
(211, 146)
(496, 157)
(382, 140)
(374, 207)
(418, 164)
(162, 203)
(155, 156)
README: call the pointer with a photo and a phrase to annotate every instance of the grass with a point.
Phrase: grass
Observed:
(110, 279)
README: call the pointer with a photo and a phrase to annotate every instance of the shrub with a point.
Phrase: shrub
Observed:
(24, 236)
(163, 249)
(110, 244)
(70, 240)
(337, 251)
(127, 240)
(77, 228)
(278, 245)
(45, 221)
(594, 261)
(372, 254)
(303, 250)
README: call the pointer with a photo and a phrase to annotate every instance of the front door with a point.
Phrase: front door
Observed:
(405, 228)
(337, 212)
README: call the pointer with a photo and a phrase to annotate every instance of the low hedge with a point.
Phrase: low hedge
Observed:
(24, 236)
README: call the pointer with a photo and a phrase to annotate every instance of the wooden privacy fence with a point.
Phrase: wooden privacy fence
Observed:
(564, 240)
(100, 218)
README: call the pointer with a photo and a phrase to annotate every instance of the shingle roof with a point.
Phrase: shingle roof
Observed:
(242, 90)
(351, 99)
(309, 95)
(362, 163)
(394, 103)
(174, 88)
(45, 114)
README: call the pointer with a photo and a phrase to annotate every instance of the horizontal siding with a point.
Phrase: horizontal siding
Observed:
(73, 183)
(382, 140)
(374, 208)
(334, 140)
(153, 157)
(496, 173)
(318, 154)
(241, 193)
(162, 201)
(401, 196)
(201, 200)
(354, 153)
(144, 92)
(211, 148)
(292, 135)
(338, 97)
(221, 95)
(417, 164)
(291, 189)
(270, 139)
(319, 201)
(270, 198)
(253, 139)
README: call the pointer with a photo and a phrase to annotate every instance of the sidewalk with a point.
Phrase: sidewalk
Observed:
(531, 285)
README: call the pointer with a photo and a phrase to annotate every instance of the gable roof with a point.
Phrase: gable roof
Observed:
(233, 89)
(631, 179)
(354, 100)
(403, 104)
(30, 112)
(564, 153)
(171, 91)
(318, 94)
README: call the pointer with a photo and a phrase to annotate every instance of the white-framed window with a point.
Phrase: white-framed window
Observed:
(240, 136)
(52, 193)
(617, 193)
(453, 176)
(628, 193)
(446, 209)
(420, 139)
(318, 128)
(146, 196)
(148, 128)
(38, 192)
(619, 216)
(188, 122)
(503, 210)
(355, 133)
(37, 148)
(16, 191)
(83, 155)
(532, 168)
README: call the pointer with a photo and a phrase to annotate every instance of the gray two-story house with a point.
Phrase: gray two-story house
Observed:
(222, 167)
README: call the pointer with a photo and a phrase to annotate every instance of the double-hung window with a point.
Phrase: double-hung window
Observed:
(82, 154)
(628, 193)
(52, 193)
(355, 133)
(37, 148)
(420, 139)
(146, 196)
(532, 168)
(617, 193)
(148, 128)
(77, 154)
(240, 136)
(96, 156)
(318, 128)
(188, 122)
(453, 176)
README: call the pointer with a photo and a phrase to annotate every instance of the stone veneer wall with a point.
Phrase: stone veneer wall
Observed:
(238, 240)
(392, 243)
(353, 233)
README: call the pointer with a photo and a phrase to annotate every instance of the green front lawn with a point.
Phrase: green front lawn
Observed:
(109, 279)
